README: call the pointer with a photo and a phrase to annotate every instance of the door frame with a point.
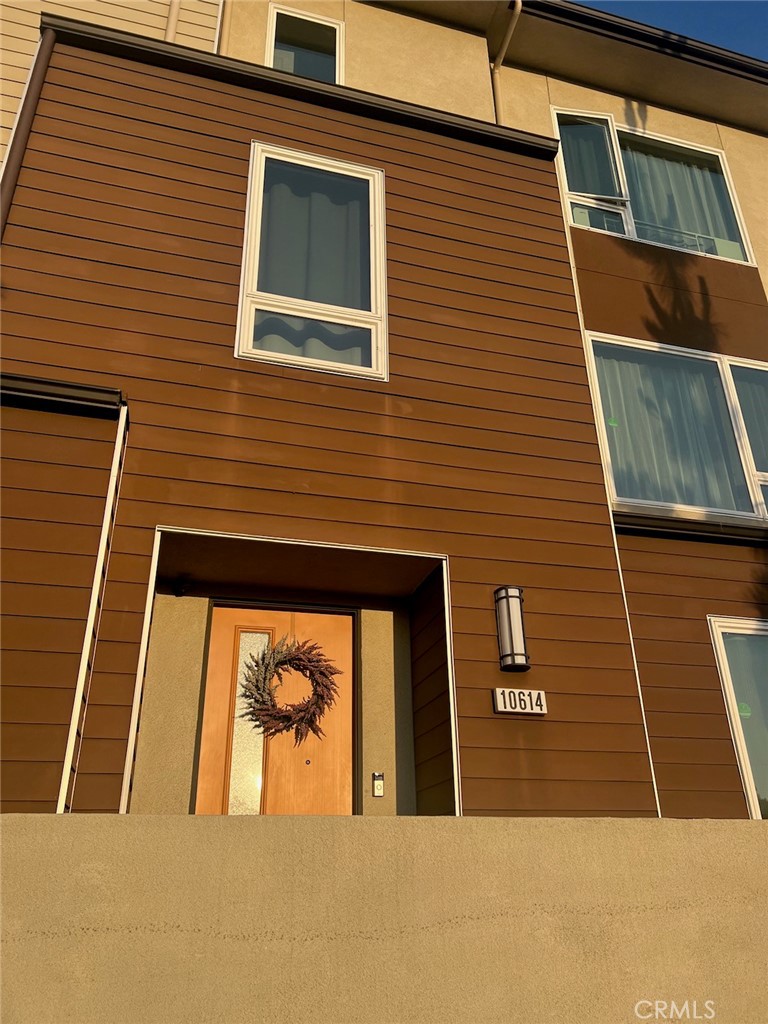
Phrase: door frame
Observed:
(441, 561)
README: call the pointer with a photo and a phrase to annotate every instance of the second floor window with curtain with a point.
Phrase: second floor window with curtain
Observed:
(313, 278)
(684, 431)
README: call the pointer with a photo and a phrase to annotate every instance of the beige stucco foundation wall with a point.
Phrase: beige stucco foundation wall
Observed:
(386, 52)
(176, 920)
(166, 752)
(528, 98)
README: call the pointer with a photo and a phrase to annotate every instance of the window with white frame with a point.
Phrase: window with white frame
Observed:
(307, 45)
(647, 188)
(683, 432)
(313, 282)
(741, 646)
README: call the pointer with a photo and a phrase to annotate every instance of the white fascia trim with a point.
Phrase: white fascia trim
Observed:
(144, 646)
(452, 695)
(139, 684)
(110, 506)
(275, 9)
(219, 22)
(719, 624)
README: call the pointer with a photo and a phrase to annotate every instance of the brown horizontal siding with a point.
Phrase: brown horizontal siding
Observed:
(636, 290)
(433, 740)
(589, 797)
(49, 538)
(123, 262)
(672, 586)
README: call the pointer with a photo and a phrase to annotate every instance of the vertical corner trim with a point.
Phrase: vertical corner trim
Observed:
(23, 127)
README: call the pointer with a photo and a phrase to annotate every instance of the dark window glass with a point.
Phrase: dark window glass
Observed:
(588, 155)
(305, 48)
(752, 389)
(315, 236)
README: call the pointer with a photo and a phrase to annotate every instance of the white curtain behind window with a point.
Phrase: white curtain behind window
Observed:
(678, 192)
(315, 241)
(668, 429)
(315, 246)
(752, 389)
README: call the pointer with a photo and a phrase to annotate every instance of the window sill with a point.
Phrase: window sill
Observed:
(315, 366)
(638, 517)
(661, 245)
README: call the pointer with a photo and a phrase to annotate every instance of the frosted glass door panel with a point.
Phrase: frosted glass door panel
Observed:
(246, 774)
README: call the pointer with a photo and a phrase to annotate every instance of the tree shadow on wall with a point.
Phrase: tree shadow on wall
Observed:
(679, 300)
(679, 312)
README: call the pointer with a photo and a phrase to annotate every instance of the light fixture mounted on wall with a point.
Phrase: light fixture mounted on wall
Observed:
(513, 656)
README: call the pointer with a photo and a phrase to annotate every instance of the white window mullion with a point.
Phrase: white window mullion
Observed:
(629, 220)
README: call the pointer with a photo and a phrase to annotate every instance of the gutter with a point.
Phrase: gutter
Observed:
(622, 30)
(253, 76)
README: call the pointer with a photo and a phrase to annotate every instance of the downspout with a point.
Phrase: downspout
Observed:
(173, 18)
(498, 63)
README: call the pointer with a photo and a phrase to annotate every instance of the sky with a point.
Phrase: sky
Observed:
(739, 25)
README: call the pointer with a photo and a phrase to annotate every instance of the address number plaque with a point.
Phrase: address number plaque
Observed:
(520, 702)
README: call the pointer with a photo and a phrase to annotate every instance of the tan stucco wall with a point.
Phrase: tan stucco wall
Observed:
(386, 713)
(386, 53)
(528, 98)
(159, 920)
(164, 773)
(418, 61)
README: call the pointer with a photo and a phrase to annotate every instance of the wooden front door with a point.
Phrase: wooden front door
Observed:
(239, 772)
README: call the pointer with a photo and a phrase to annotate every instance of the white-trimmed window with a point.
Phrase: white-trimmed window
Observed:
(313, 283)
(741, 647)
(648, 188)
(683, 433)
(307, 45)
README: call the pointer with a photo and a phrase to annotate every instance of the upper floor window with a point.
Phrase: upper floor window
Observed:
(312, 288)
(309, 46)
(683, 432)
(646, 188)
(741, 646)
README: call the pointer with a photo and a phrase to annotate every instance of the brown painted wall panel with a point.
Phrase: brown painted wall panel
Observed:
(690, 737)
(49, 539)
(123, 255)
(642, 291)
(433, 744)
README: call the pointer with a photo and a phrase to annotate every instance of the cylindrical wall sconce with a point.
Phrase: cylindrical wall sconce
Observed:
(513, 656)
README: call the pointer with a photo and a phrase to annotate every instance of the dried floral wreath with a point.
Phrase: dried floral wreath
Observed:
(258, 689)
